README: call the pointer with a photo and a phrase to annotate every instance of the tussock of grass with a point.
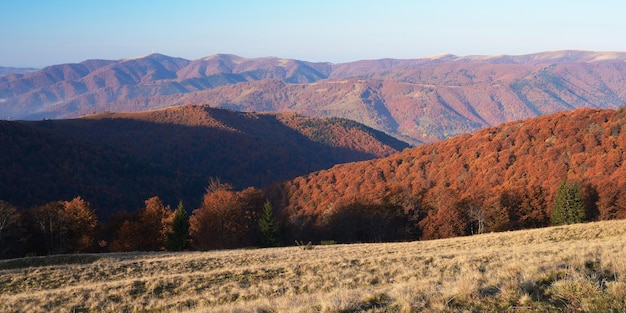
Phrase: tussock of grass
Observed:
(48, 261)
(568, 268)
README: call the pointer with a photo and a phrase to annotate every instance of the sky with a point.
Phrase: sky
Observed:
(38, 33)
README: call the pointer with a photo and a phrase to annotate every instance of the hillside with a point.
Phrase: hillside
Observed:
(110, 159)
(557, 269)
(40, 167)
(136, 84)
(245, 149)
(433, 101)
(419, 100)
(503, 177)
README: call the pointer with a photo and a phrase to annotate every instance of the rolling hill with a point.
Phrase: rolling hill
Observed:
(505, 177)
(419, 100)
(172, 153)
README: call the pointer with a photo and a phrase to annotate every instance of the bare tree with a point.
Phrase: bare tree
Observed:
(478, 218)
(49, 219)
(10, 230)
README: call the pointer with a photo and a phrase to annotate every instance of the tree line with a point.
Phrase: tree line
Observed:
(227, 219)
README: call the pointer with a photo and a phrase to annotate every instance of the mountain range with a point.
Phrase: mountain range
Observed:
(326, 146)
(418, 101)
(118, 160)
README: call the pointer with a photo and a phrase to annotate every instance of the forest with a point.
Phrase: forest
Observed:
(225, 219)
(563, 168)
(499, 178)
(117, 160)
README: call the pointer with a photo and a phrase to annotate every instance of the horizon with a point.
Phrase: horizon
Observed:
(37, 33)
(349, 61)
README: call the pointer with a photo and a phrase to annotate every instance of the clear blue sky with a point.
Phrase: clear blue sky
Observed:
(46, 32)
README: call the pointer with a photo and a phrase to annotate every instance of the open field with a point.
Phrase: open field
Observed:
(568, 268)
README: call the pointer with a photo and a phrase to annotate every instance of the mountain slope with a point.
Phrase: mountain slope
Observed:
(40, 167)
(118, 160)
(504, 177)
(136, 84)
(245, 149)
(432, 102)
(420, 100)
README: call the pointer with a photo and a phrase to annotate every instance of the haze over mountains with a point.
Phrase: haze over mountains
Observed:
(14, 70)
(419, 101)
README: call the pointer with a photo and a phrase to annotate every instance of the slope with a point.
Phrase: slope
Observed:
(136, 84)
(557, 269)
(40, 167)
(116, 161)
(418, 100)
(434, 101)
(504, 177)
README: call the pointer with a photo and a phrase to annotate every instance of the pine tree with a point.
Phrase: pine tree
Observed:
(268, 225)
(568, 205)
(178, 237)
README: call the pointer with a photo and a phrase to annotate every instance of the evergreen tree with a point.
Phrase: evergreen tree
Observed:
(568, 205)
(268, 225)
(178, 237)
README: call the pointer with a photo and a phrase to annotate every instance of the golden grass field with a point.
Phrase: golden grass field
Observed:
(567, 268)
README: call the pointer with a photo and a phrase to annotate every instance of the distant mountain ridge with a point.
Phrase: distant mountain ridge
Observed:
(14, 70)
(418, 100)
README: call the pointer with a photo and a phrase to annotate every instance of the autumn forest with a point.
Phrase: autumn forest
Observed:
(513, 176)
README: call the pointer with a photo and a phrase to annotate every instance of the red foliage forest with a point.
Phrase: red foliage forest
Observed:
(500, 178)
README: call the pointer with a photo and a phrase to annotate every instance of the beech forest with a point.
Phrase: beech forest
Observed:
(563, 168)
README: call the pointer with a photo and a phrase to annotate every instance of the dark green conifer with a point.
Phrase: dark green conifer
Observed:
(178, 238)
(568, 205)
(268, 226)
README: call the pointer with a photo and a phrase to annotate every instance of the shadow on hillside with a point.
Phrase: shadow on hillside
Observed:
(259, 152)
(118, 163)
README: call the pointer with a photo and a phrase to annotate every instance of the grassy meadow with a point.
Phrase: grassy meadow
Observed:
(568, 268)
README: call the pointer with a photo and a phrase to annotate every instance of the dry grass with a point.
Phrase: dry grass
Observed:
(567, 268)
